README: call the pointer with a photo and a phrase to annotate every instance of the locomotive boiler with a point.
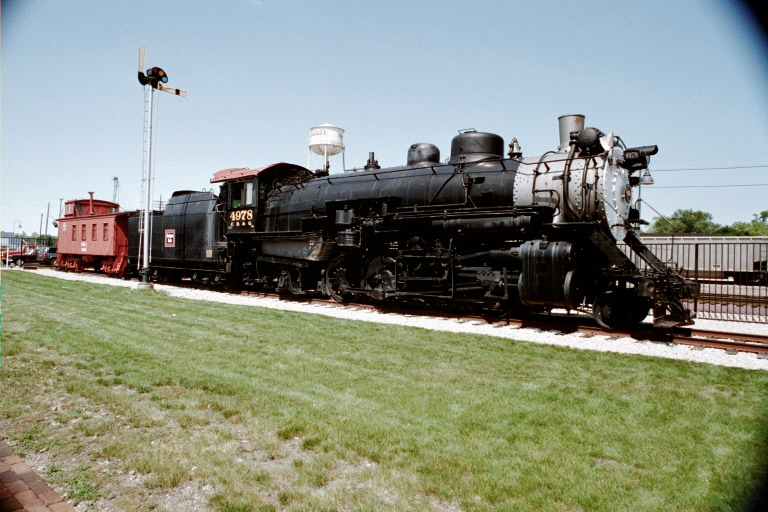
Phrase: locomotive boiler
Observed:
(487, 229)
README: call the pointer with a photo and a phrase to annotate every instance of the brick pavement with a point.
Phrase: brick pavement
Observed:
(21, 489)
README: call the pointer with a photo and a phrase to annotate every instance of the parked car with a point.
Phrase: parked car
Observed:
(46, 255)
(20, 256)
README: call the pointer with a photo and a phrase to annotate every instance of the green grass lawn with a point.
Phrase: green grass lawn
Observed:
(129, 396)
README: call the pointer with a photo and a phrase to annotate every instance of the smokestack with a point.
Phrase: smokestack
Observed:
(569, 123)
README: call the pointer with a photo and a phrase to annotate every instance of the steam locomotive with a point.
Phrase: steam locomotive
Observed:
(483, 231)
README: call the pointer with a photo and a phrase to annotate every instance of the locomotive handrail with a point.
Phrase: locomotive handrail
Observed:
(456, 170)
(552, 192)
(567, 177)
(475, 212)
(627, 224)
(648, 256)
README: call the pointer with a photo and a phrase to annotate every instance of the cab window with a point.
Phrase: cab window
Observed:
(249, 193)
(236, 195)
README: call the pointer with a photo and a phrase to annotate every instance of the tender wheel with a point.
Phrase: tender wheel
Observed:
(614, 310)
(343, 274)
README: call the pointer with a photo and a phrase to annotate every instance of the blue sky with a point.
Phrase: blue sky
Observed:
(689, 75)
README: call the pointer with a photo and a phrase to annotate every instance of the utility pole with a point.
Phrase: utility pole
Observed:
(47, 220)
(154, 77)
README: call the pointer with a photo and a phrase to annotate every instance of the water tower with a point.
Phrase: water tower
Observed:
(326, 140)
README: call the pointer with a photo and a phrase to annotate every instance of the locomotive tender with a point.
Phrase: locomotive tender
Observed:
(484, 230)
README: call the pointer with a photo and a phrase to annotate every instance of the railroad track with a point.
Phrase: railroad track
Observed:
(738, 300)
(564, 323)
(577, 323)
(730, 341)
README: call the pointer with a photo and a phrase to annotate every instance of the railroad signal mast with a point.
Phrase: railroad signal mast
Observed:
(153, 77)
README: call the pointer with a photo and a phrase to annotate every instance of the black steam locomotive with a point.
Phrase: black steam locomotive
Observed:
(484, 231)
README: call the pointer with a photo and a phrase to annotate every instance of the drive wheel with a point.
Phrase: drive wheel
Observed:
(640, 310)
(614, 310)
(342, 275)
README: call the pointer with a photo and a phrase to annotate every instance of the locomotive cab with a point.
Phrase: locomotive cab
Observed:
(241, 201)
(244, 193)
(239, 197)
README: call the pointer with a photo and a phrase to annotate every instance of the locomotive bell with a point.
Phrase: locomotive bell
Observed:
(515, 151)
(646, 178)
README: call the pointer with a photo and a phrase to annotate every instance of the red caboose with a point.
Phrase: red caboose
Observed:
(93, 233)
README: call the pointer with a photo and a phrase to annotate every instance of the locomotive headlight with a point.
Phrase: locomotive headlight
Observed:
(637, 159)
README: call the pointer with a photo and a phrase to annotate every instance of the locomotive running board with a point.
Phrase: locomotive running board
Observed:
(647, 255)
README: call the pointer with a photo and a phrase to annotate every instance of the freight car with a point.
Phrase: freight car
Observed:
(483, 230)
(741, 260)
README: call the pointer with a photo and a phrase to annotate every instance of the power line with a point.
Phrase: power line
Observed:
(713, 186)
(713, 168)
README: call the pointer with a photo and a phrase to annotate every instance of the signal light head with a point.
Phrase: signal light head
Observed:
(157, 75)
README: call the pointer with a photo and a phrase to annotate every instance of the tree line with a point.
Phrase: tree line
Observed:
(696, 221)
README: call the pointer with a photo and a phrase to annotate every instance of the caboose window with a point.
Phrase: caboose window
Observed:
(74, 232)
(82, 233)
(106, 231)
(93, 232)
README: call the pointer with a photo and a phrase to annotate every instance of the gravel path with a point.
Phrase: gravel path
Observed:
(472, 326)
